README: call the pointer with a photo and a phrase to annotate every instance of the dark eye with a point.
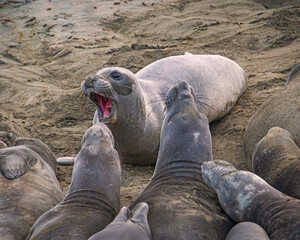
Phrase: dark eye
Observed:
(116, 75)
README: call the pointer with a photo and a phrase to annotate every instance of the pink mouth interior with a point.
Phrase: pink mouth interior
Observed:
(104, 104)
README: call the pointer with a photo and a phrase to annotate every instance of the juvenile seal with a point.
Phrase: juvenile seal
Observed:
(247, 231)
(181, 206)
(28, 187)
(279, 111)
(127, 228)
(247, 197)
(132, 104)
(92, 200)
(276, 159)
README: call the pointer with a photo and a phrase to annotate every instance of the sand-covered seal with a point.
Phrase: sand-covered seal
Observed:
(247, 197)
(247, 231)
(279, 111)
(28, 185)
(132, 104)
(276, 159)
(181, 206)
(92, 201)
(128, 225)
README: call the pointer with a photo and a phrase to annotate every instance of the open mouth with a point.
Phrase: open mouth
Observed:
(104, 106)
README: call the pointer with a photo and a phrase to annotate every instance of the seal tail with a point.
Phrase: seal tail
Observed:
(66, 161)
(294, 72)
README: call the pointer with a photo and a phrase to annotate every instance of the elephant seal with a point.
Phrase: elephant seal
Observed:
(279, 111)
(34, 144)
(2, 145)
(127, 228)
(247, 231)
(276, 159)
(92, 200)
(28, 187)
(181, 206)
(132, 104)
(247, 197)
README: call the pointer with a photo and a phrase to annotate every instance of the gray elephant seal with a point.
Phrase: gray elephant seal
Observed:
(132, 104)
(128, 225)
(247, 231)
(276, 159)
(28, 187)
(279, 111)
(247, 197)
(92, 200)
(181, 206)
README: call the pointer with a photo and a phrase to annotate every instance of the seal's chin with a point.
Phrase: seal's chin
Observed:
(104, 106)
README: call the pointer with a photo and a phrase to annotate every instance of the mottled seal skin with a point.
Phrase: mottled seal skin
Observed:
(247, 231)
(132, 104)
(247, 197)
(276, 159)
(28, 187)
(181, 206)
(128, 225)
(279, 111)
(92, 200)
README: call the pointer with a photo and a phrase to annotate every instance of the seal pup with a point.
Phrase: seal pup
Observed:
(127, 228)
(132, 104)
(92, 200)
(247, 197)
(276, 159)
(181, 206)
(28, 187)
(279, 111)
(247, 231)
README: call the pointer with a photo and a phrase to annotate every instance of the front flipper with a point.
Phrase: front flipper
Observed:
(15, 161)
(8, 138)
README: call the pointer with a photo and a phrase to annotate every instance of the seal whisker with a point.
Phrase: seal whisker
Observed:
(156, 107)
(126, 86)
(156, 101)
(204, 104)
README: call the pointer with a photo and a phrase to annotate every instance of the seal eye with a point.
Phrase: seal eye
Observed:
(116, 75)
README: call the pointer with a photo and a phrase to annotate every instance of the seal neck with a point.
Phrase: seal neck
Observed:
(96, 173)
(184, 144)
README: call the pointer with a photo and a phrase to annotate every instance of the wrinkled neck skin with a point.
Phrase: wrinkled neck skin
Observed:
(271, 207)
(96, 177)
(185, 141)
(135, 122)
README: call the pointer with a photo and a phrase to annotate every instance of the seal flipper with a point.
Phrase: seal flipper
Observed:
(293, 73)
(13, 165)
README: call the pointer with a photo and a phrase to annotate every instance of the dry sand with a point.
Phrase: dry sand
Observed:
(48, 47)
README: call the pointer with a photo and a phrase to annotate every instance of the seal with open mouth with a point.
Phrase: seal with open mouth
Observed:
(132, 104)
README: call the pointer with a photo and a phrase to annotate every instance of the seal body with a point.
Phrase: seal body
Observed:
(247, 197)
(276, 159)
(132, 104)
(181, 206)
(279, 111)
(28, 187)
(247, 231)
(92, 200)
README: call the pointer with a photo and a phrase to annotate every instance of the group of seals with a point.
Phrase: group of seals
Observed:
(28, 184)
(279, 111)
(132, 104)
